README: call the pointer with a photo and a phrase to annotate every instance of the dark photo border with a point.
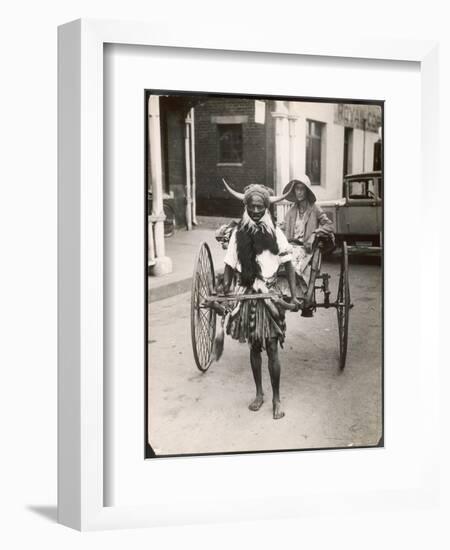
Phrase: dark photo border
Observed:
(149, 453)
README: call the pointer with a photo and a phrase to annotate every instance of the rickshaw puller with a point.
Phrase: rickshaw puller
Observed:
(256, 250)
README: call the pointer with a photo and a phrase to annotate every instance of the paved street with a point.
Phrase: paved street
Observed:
(192, 412)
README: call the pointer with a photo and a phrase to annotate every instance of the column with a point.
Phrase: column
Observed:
(281, 146)
(281, 152)
(163, 264)
(293, 146)
(187, 156)
(194, 183)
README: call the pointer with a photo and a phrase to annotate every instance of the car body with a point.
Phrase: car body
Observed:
(357, 217)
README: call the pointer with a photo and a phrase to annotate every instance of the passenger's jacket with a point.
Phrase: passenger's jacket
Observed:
(315, 217)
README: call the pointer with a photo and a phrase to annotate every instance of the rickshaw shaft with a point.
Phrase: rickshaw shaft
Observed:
(240, 297)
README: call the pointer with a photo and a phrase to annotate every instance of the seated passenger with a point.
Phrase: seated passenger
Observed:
(303, 222)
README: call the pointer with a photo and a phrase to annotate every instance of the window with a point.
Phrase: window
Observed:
(314, 131)
(364, 189)
(230, 143)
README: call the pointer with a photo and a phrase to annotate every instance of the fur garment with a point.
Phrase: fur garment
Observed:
(252, 238)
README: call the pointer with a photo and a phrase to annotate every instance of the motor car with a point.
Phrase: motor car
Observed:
(357, 216)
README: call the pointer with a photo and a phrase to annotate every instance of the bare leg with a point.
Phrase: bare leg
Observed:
(255, 361)
(274, 371)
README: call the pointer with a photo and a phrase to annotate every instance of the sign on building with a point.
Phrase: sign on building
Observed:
(363, 117)
(260, 111)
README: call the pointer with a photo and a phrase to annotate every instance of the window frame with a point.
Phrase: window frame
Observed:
(320, 139)
(229, 162)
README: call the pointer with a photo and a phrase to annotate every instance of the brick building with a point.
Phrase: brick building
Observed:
(235, 140)
(205, 138)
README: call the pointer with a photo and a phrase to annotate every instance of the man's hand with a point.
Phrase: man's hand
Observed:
(227, 279)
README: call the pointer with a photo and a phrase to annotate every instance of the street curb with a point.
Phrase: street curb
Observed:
(172, 289)
(169, 290)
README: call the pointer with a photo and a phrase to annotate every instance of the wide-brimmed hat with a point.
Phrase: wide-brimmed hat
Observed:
(291, 185)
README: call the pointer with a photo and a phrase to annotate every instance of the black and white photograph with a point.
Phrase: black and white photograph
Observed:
(264, 253)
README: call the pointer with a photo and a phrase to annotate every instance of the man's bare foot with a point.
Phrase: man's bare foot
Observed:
(277, 412)
(255, 405)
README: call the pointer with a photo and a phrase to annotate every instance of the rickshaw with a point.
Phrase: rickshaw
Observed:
(207, 303)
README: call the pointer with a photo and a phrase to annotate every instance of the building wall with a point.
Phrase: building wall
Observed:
(273, 151)
(257, 165)
(332, 147)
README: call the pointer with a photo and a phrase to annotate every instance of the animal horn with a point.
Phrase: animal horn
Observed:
(239, 196)
(279, 198)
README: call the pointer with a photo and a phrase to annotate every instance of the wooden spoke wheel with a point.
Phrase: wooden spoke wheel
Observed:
(203, 319)
(343, 306)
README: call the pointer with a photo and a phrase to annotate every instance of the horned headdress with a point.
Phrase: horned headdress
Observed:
(261, 190)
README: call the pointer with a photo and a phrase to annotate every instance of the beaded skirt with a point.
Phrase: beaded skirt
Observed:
(254, 321)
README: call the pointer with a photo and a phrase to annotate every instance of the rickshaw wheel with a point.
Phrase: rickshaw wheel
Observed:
(203, 319)
(343, 307)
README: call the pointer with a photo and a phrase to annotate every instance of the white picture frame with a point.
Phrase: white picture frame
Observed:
(81, 479)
